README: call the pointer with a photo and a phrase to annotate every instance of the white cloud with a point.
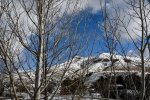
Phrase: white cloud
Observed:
(27, 23)
(128, 17)
(95, 5)
(147, 53)
(136, 53)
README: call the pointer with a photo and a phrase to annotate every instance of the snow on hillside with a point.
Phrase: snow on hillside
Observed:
(78, 64)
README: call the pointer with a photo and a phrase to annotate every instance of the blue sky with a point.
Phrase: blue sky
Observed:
(89, 27)
(96, 44)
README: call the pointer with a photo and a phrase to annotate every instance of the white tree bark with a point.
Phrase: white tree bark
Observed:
(39, 5)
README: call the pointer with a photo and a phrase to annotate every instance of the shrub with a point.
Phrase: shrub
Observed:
(133, 82)
(106, 84)
(51, 86)
(75, 86)
(101, 86)
(20, 88)
(65, 86)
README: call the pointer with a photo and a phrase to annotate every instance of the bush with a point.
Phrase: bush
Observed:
(75, 86)
(120, 80)
(78, 87)
(65, 87)
(133, 82)
(51, 86)
(20, 88)
(101, 86)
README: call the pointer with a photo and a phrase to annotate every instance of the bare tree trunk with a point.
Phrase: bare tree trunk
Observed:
(142, 50)
(40, 50)
(45, 92)
(13, 87)
(38, 74)
(143, 78)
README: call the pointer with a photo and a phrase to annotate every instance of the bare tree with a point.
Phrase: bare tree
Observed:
(111, 37)
(138, 13)
(43, 31)
(6, 49)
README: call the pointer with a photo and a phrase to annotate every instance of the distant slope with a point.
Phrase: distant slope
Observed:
(82, 65)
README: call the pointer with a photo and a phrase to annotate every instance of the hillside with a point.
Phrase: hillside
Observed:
(100, 63)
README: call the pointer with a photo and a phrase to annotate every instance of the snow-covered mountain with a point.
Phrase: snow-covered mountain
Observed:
(81, 65)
